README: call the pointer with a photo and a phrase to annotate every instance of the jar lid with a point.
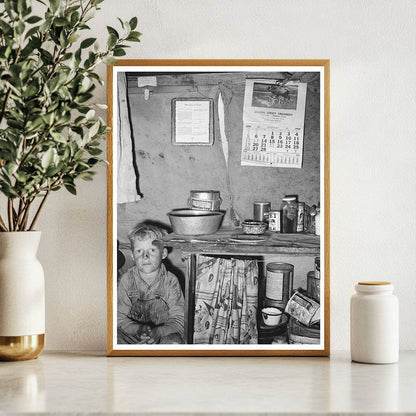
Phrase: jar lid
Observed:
(371, 287)
(290, 198)
(279, 267)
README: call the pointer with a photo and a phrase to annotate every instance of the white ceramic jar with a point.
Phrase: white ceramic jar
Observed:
(374, 323)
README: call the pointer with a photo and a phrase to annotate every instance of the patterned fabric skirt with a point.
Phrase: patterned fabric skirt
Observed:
(226, 301)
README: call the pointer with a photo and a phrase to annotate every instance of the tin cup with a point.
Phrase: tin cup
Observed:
(261, 211)
(271, 316)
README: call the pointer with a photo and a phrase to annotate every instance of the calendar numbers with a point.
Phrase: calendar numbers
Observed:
(271, 146)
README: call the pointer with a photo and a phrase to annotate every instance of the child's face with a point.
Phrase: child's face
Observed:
(148, 256)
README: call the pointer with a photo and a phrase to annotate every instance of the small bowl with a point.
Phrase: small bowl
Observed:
(254, 227)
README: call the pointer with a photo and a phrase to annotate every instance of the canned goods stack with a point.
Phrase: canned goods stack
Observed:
(291, 217)
(279, 284)
(278, 288)
(205, 200)
(304, 310)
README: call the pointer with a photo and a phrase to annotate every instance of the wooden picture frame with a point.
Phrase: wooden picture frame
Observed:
(192, 121)
(154, 159)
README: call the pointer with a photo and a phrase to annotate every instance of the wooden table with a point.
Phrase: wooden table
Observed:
(232, 242)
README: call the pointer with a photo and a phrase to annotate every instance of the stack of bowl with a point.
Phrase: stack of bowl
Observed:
(202, 217)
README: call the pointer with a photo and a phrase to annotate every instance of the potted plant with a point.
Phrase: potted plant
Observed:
(50, 136)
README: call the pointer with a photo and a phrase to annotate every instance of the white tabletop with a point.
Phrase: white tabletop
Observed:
(92, 383)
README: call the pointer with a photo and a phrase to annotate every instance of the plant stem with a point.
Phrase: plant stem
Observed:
(32, 149)
(39, 209)
(21, 213)
(17, 217)
(10, 213)
(3, 108)
(26, 216)
(2, 225)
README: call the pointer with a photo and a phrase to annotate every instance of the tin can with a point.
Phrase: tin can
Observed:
(313, 286)
(205, 200)
(304, 309)
(299, 333)
(261, 211)
(279, 284)
(274, 221)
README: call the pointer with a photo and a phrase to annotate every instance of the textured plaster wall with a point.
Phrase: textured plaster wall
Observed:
(373, 152)
(167, 172)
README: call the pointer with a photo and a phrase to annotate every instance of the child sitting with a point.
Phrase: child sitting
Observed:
(150, 303)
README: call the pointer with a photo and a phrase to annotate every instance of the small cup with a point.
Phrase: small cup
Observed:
(261, 210)
(271, 316)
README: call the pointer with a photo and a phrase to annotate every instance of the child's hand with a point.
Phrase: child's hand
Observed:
(155, 336)
(144, 334)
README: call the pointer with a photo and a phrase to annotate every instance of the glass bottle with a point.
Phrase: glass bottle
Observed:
(289, 214)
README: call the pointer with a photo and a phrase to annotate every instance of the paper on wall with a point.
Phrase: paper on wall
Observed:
(192, 121)
(273, 123)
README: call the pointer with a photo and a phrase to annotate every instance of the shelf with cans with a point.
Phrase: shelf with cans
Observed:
(293, 216)
(284, 242)
(289, 315)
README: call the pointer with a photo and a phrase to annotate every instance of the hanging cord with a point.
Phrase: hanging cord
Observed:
(225, 148)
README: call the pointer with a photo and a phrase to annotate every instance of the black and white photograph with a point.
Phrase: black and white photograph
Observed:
(277, 95)
(218, 227)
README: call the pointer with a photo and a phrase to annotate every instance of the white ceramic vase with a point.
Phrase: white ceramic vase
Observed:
(22, 296)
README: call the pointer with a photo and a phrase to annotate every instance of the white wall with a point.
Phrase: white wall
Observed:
(371, 45)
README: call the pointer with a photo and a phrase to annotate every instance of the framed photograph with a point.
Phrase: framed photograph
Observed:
(192, 121)
(218, 208)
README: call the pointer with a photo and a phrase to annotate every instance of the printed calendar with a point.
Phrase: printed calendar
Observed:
(274, 114)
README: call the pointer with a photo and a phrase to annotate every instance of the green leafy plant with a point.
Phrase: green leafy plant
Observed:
(50, 134)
